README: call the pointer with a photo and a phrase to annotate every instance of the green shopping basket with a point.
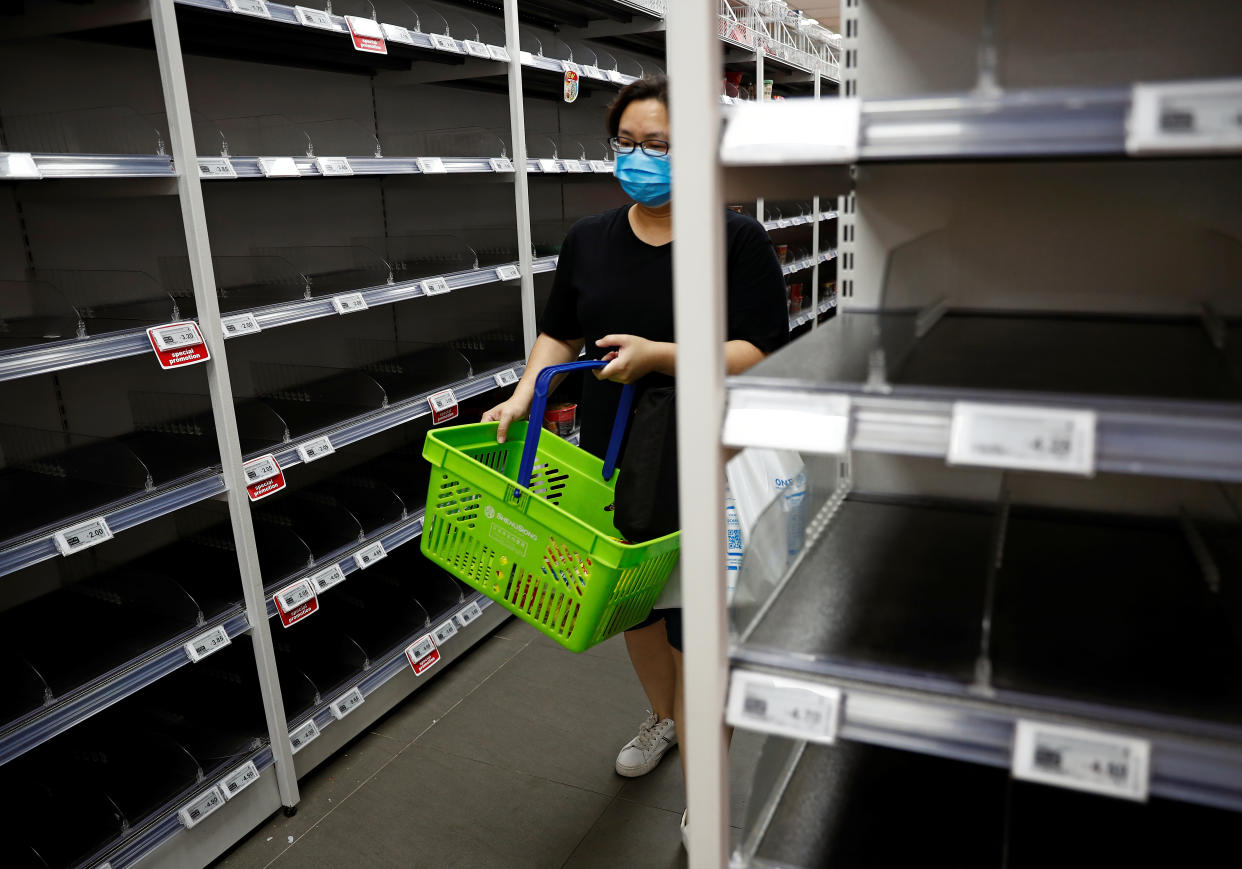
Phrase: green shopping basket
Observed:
(529, 524)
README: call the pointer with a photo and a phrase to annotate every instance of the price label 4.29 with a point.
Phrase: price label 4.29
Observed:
(84, 535)
(1082, 759)
(1023, 438)
(784, 707)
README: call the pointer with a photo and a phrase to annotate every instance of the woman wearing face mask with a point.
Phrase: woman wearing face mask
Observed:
(613, 294)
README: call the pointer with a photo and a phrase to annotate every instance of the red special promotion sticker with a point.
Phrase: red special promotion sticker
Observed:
(367, 34)
(178, 344)
(443, 406)
(423, 654)
(295, 602)
(263, 477)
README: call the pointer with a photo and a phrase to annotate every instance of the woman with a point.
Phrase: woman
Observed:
(613, 294)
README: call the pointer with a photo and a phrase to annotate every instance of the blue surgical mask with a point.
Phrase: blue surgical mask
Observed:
(644, 178)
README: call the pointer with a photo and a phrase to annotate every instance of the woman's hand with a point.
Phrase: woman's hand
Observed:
(635, 357)
(515, 408)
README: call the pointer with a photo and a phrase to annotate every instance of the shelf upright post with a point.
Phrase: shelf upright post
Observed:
(815, 240)
(198, 246)
(521, 181)
(699, 286)
(760, 97)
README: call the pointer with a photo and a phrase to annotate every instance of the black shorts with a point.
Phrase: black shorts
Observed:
(672, 624)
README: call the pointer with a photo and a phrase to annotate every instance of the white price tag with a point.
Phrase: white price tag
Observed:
(1082, 759)
(293, 596)
(348, 303)
(601, 166)
(444, 632)
(508, 273)
(819, 424)
(498, 52)
(367, 556)
(303, 736)
(469, 613)
(618, 77)
(202, 806)
(83, 536)
(501, 164)
(594, 72)
(176, 336)
(434, 286)
(476, 49)
(260, 469)
(797, 221)
(570, 66)
(216, 167)
(329, 166)
(793, 132)
(316, 449)
(549, 166)
(526, 58)
(783, 223)
(207, 643)
(784, 707)
(347, 703)
(443, 406)
(431, 165)
(250, 7)
(279, 167)
(508, 377)
(239, 779)
(19, 165)
(239, 324)
(574, 166)
(397, 33)
(1023, 438)
(314, 18)
(1185, 117)
(326, 578)
(445, 43)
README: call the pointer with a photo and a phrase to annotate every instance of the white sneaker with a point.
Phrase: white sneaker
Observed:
(685, 834)
(641, 754)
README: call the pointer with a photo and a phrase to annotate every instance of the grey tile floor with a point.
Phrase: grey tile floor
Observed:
(503, 760)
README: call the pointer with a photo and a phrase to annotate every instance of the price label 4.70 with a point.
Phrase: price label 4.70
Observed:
(1082, 759)
(784, 707)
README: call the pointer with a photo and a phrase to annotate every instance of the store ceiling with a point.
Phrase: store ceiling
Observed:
(827, 12)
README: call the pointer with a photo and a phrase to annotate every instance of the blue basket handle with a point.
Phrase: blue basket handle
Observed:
(540, 402)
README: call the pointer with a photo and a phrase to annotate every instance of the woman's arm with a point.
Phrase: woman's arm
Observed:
(547, 351)
(637, 356)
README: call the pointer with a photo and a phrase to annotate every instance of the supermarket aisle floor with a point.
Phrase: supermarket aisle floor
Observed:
(503, 760)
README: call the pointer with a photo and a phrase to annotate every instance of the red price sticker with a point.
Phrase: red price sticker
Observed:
(367, 35)
(443, 406)
(295, 602)
(263, 477)
(422, 654)
(178, 344)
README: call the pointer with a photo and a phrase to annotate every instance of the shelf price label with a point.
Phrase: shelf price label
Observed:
(200, 807)
(347, 703)
(434, 286)
(1081, 759)
(19, 165)
(239, 325)
(548, 166)
(300, 737)
(594, 72)
(216, 167)
(263, 477)
(314, 18)
(178, 344)
(570, 66)
(445, 43)
(617, 77)
(326, 578)
(333, 166)
(239, 779)
(1185, 117)
(783, 223)
(366, 34)
(295, 602)
(84, 535)
(370, 554)
(508, 377)
(443, 406)
(207, 643)
(279, 167)
(475, 49)
(316, 449)
(422, 654)
(784, 707)
(501, 164)
(469, 613)
(508, 273)
(498, 52)
(431, 165)
(349, 303)
(1023, 438)
(250, 7)
(445, 632)
(573, 166)
(397, 33)
(601, 166)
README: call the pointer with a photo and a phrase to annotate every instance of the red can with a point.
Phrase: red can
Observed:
(560, 419)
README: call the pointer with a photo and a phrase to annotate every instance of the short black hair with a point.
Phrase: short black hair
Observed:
(652, 88)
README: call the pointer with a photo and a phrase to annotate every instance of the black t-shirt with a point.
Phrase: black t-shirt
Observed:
(609, 282)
